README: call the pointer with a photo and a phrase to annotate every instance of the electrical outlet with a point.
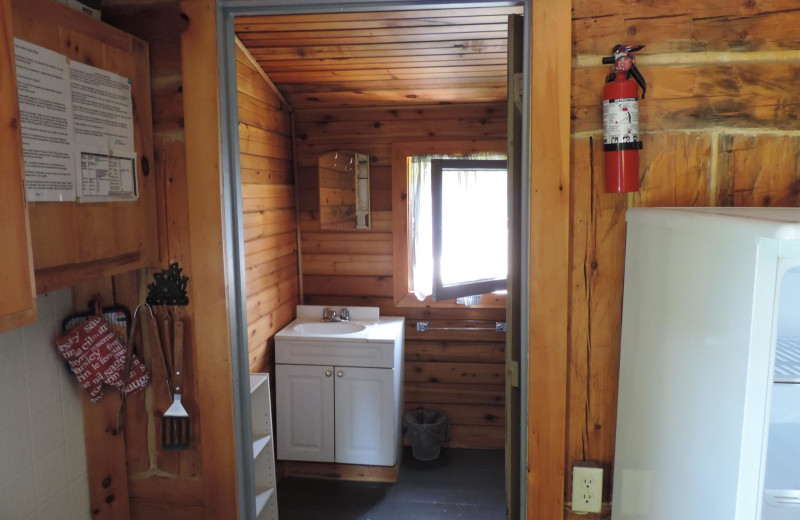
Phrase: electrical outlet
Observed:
(587, 487)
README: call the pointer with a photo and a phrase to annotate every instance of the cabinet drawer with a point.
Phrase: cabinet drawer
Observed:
(356, 354)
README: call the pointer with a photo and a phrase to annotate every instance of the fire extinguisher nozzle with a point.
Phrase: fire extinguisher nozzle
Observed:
(640, 80)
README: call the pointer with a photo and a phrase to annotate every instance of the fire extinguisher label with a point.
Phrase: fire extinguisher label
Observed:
(621, 120)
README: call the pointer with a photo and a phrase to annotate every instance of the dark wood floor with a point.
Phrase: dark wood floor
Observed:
(461, 484)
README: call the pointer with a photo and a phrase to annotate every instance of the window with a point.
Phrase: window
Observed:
(469, 227)
(406, 292)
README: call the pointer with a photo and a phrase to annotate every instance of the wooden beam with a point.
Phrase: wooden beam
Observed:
(551, 25)
(446, 47)
(383, 15)
(54, 278)
(372, 19)
(259, 40)
(380, 62)
(393, 113)
(389, 74)
(346, 35)
(210, 326)
(375, 23)
(382, 96)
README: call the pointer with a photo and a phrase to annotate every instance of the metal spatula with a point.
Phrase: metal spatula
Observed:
(175, 425)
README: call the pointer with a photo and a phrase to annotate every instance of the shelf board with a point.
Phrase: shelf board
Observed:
(259, 443)
(256, 380)
(262, 497)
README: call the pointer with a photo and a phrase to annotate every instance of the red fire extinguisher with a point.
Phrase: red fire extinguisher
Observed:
(621, 142)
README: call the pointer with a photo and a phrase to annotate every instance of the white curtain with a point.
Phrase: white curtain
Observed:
(421, 240)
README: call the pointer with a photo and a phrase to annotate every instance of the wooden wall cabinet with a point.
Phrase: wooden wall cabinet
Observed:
(18, 301)
(72, 242)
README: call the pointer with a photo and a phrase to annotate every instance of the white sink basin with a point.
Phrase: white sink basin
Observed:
(328, 328)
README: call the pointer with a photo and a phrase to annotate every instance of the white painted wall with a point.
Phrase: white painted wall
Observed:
(42, 450)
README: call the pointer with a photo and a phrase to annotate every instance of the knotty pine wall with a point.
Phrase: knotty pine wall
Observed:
(162, 484)
(270, 221)
(719, 128)
(461, 373)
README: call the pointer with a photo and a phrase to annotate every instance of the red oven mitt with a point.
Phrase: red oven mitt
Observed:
(96, 356)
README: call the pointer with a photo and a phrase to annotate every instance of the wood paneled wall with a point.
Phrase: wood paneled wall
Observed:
(270, 221)
(719, 129)
(459, 372)
(164, 484)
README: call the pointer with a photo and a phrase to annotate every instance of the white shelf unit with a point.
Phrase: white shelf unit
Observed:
(263, 448)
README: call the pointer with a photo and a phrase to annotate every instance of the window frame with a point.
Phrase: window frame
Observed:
(402, 151)
(449, 292)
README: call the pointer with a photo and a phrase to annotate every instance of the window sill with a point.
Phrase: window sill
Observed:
(488, 301)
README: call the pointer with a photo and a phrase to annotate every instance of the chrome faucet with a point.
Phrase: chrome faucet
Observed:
(332, 315)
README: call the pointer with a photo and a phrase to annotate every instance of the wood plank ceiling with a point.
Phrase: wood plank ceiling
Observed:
(433, 56)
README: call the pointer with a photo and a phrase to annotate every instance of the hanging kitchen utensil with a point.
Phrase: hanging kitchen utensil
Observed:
(166, 351)
(175, 424)
(96, 356)
(137, 339)
(169, 290)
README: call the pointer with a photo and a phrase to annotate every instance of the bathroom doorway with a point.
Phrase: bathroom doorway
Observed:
(239, 206)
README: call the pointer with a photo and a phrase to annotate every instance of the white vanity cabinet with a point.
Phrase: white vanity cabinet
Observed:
(365, 416)
(304, 413)
(339, 396)
(336, 414)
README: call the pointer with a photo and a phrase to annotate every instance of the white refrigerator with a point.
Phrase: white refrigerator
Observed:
(708, 423)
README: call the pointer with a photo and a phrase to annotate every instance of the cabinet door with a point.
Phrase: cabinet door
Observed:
(365, 416)
(72, 242)
(17, 305)
(304, 412)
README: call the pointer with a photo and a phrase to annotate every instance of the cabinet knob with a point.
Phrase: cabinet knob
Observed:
(328, 373)
(340, 373)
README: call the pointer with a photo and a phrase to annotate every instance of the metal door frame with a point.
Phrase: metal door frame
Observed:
(227, 11)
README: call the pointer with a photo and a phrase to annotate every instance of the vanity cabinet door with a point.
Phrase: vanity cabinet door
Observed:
(305, 410)
(365, 413)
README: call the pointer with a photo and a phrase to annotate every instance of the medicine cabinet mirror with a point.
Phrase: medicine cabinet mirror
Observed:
(344, 190)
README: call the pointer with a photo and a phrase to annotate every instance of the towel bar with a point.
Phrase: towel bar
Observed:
(499, 326)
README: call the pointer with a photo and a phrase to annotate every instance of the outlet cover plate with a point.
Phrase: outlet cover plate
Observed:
(587, 488)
